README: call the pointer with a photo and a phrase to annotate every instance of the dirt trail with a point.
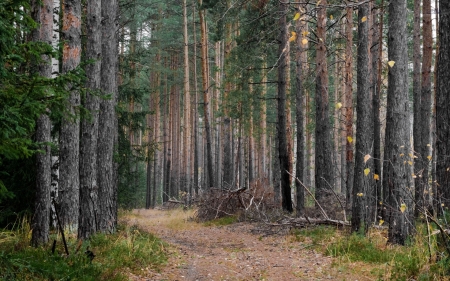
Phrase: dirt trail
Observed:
(234, 252)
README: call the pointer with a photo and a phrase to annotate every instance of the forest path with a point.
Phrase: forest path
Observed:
(234, 252)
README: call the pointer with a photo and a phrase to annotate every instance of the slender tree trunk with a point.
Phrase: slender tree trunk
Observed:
(69, 138)
(300, 28)
(187, 105)
(324, 178)
(422, 187)
(107, 184)
(397, 178)
(348, 102)
(205, 89)
(89, 127)
(443, 107)
(364, 131)
(42, 13)
(286, 200)
(195, 115)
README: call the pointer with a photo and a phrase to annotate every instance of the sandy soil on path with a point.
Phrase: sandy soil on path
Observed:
(234, 252)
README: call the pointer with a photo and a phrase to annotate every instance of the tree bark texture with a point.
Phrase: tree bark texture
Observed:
(323, 175)
(397, 178)
(89, 126)
(283, 155)
(300, 28)
(107, 193)
(42, 13)
(443, 108)
(69, 138)
(364, 131)
(424, 151)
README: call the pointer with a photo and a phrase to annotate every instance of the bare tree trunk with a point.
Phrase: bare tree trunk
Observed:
(89, 127)
(348, 102)
(187, 106)
(42, 14)
(363, 178)
(324, 179)
(425, 156)
(300, 28)
(69, 139)
(107, 120)
(397, 178)
(442, 107)
(286, 200)
(205, 89)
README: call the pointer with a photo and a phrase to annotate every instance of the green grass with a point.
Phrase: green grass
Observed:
(221, 221)
(129, 250)
(388, 262)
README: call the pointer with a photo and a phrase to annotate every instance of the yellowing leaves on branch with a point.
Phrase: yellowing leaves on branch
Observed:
(349, 139)
(366, 171)
(297, 16)
(293, 36)
(338, 105)
(403, 207)
(366, 158)
(391, 63)
(364, 19)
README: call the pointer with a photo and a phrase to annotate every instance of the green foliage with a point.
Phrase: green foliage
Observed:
(127, 250)
(221, 221)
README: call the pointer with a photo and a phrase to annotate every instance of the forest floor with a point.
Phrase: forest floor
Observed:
(239, 251)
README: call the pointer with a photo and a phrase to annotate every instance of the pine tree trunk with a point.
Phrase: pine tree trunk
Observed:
(348, 103)
(42, 14)
(362, 179)
(205, 89)
(89, 126)
(397, 177)
(442, 108)
(324, 178)
(187, 106)
(422, 187)
(107, 120)
(286, 200)
(300, 28)
(69, 138)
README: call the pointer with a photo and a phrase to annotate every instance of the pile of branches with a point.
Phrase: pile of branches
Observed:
(216, 203)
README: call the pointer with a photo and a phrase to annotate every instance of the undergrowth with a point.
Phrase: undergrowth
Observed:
(128, 250)
(389, 262)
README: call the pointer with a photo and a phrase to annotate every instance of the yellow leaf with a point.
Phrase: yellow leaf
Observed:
(410, 155)
(414, 176)
(364, 19)
(318, 2)
(428, 145)
(304, 41)
(367, 157)
(403, 207)
(366, 171)
(338, 105)
(350, 139)
(391, 63)
(442, 204)
(293, 36)
(359, 194)
(381, 203)
(331, 17)
(305, 33)
(297, 16)
(410, 163)
(376, 177)
(429, 157)
(401, 154)
(381, 222)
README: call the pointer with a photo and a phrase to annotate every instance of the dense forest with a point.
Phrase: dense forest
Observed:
(136, 103)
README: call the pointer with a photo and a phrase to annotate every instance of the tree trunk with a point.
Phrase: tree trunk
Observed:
(324, 177)
(364, 131)
(107, 119)
(443, 108)
(421, 183)
(69, 138)
(348, 102)
(187, 106)
(205, 89)
(300, 52)
(397, 178)
(286, 200)
(42, 13)
(89, 126)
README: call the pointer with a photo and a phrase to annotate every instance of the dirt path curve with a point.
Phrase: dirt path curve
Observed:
(233, 252)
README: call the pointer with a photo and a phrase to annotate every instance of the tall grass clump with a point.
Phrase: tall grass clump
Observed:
(127, 251)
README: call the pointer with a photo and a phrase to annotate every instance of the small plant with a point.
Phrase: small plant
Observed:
(221, 221)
